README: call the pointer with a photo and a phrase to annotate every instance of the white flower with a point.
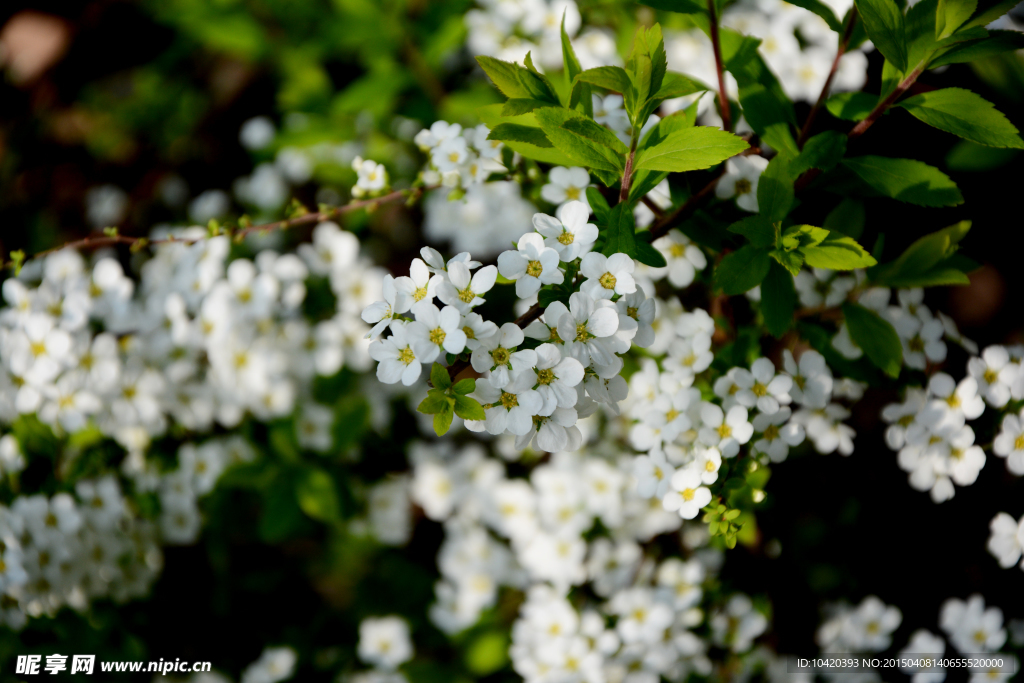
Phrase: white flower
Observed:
(568, 233)
(556, 378)
(869, 627)
(275, 664)
(381, 313)
(688, 357)
(821, 287)
(566, 185)
(450, 154)
(777, 434)
(972, 628)
(607, 275)
(495, 353)
(586, 328)
(372, 177)
(1009, 443)
(812, 379)
(994, 374)
(399, 356)
(924, 642)
(688, 494)
(740, 180)
(760, 386)
(384, 642)
(475, 329)
(641, 309)
(958, 401)
(653, 474)
(553, 433)
(683, 257)
(726, 432)
(442, 328)
(739, 624)
(511, 407)
(419, 285)
(924, 346)
(1005, 540)
(462, 292)
(532, 266)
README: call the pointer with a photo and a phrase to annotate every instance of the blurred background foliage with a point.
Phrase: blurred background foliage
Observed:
(132, 93)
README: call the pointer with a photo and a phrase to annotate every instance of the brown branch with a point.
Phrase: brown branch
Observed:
(655, 209)
(96, 241)
(723, 100)
(882, 106)
(847, 34)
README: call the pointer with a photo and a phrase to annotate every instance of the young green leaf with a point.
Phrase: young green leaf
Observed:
(598, 205)
(583, 150)
(951, 14)
(465, 386)
(468, 408)
(925, 262)
(823, 151)
(678, 85)
(757, 229)
(778, 300)
(505, 75)
(769, 113)
(439, 377)
(620, 235)
(803, 236)
(690, 149)
(996, 43)
(965, 114)
(775, 189)
(851, 106)
(875, 336)
(317, 495)
(791, 260)
(884, 23)
(742, 270)
(681, 6)
(838, 252)
(823, 11)
(907, 180)
(433, 402)
(648, 255)
(443, 419)
(970, 156)
(521, 105)
(612, 78)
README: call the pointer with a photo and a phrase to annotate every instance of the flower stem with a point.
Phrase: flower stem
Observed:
(843, 43)
(723, 100)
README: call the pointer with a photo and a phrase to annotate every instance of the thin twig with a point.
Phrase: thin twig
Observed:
(655, 209)
(843, 43)
(723, 100)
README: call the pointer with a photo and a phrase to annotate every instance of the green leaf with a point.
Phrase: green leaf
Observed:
(505, 75)
(548, 295)
(433, 402)
(317, 495)
(598, 205)
(924, 262)
(590, 130)
(768, 113)
(951, 14)
(742, 270)
(851, 106)
(990, 11)
(517, 134)
(823, 11)
(965, 114)
(906, 180)
(443, 418)
(884, 23)
(487, 653)
(998, 42)
(612, 78)
(469, 408)
(649, 256)
(513, 132)
(569, 59)
(521, 105)
(620, 235)
(757, 229)
(847, 218)
(536, 83)
(792, 260)
(802, 237)
(582, 150)
(778, 300)
(838, 252)
(775, 189)
(823, 151)
(969, 156)
(643, 182)
(680, 6)
(678, 85)
(439, 377)
(690, 149)
(465, 386)
(875, 336)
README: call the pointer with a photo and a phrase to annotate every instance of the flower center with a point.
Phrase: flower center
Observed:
(555, 338)
(500, 356)
(1018, 443)
(406, 355)
(771, 432)
(916, 344)
(467, 295)
(509, 401)
(453, 157)
(688, 494)
(631, 311)
(953, 400)
(607, 281)
(437, 336)
(671, 414)
(545, 377)
(759, 389)
(572, 192)
(677, 250)
(709, 466)
(469, 332)
(724, 431)
(743, 186)
(420, 293)
(582, 334)
(566, 238)
(534, 269)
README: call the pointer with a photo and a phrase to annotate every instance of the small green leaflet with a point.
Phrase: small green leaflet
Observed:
(514, 132)
(926, 262)
(884, 23)
(620, 234)
(907, 180)
(877, 338)
(690, 149)
(757, 229)
(951, 14)
(612, 78)
(775, 189)
(505, 75)
(838, 252)
(778, 300)
(742, 270)
(648, 255)
(965, 114)
(823, 151)
(996, 43)
(583, 150)
(823, 11)
(317, 495)
(851, 106)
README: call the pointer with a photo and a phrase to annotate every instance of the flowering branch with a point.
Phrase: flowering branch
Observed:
(851, 22)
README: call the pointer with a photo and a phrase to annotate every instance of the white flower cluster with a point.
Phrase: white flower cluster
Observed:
(1006, 540)
(459, 157)
(530, 393)
(384, 643)
(508, 29)
(532, 534)
(68, 550)
(865, 628)
(275, 664)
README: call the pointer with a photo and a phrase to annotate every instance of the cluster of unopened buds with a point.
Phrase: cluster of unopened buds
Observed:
(533, 393)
